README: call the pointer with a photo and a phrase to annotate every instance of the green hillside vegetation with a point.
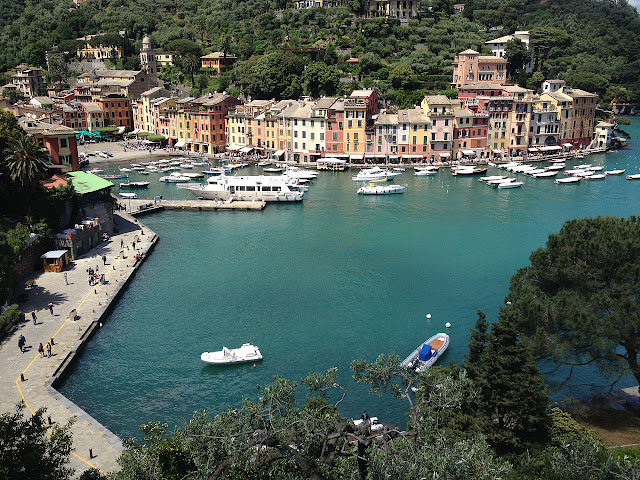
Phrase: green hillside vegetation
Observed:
(593, 45)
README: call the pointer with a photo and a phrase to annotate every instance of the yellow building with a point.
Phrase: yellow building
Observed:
(243, 124)
(99, 52)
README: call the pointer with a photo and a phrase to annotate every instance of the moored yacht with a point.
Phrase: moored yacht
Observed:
(250, 188)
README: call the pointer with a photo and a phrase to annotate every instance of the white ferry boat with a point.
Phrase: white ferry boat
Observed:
(254, 187)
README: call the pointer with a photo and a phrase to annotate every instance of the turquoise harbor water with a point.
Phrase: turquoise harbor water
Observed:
(321, 283)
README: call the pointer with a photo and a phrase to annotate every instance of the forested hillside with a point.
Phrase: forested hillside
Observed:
(594, 45)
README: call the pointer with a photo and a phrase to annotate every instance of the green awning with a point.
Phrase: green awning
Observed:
(84, 182)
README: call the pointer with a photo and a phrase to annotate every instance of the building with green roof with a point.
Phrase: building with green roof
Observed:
(95, 198)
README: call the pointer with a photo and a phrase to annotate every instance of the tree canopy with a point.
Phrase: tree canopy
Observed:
(578, 300)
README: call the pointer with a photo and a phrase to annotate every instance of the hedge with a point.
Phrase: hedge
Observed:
(10, 317)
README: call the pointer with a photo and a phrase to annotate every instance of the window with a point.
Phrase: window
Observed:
(63, 143)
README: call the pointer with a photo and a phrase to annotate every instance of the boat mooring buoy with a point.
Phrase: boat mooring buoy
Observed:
(428, 316)
(448, 325)
(254, 365)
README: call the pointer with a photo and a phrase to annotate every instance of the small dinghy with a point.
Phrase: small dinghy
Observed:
(427, 353)
(246, 353)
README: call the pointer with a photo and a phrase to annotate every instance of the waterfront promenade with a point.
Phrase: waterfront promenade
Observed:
(93, 445)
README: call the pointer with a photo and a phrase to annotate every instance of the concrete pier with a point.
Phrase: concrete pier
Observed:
(79, 309)
(138, 207)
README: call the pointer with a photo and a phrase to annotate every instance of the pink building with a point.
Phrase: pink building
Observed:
(470, 67)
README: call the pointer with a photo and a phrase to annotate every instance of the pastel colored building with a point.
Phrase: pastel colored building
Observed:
(440, 110)
(469, 67)
(217, 62)
(58, 139)
(116, 109)
(27, 79)
(499, 46)
(469, 134)
(99, 52)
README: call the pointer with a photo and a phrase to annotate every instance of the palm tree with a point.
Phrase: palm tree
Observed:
(190, 64)
(26, 161)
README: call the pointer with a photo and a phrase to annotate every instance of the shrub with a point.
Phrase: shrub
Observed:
(11, 316)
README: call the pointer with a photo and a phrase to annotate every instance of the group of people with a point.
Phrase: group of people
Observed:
(22, 345)
(41, 349)
(95, 277)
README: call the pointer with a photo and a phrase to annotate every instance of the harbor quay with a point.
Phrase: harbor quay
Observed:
(69, 310)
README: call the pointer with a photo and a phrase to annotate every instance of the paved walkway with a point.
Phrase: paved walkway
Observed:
(93, 445)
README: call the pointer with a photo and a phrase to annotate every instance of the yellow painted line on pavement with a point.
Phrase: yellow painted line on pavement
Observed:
(117, 259)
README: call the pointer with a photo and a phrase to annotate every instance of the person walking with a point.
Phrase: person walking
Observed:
(21, 342)
(48, 349)
(41, 349)
(34, 317)
(121, 243)
(104, 259)
(66, 280)
(50, 307)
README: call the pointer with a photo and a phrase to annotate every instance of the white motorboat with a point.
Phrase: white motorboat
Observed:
(584, 173)
(398, 169)
(427, 353)
(572, 171)
(423, 171)
(508, 185)
(556, 166)
(273, 170)
(468, 171)
(214, 172)
(187, 166)
(595, 176)
(251, 188)
(227, 356)
(492, 177)
(597, 169)
(134, 185)
(502, 180)
(296, 172)
(635, 176)
(583, 167)
(545, 174)
(175, 177)
(373, 173)
(614, 172)
(534, 171)
(381, 189)
(123, 169)
(263, 164)
(567, 180)
(201, 164)
(128, 195)
(557, 160)
(193, 175)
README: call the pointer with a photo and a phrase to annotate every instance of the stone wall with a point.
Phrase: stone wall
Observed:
(98, 205)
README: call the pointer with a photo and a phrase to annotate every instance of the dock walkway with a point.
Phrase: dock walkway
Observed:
(93, 444)
(140, 207)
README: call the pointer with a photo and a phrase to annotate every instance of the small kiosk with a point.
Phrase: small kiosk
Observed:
(55, 260)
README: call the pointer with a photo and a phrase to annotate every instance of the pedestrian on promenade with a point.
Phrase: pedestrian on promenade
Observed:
(50, 307)
(48, 349)
(21, 342)
(33, 315)
(41, 349)
(66, 280)
(104, 259)
(121, 243)
(89, 280)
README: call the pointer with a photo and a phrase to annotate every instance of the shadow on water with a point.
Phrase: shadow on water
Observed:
(234, 368)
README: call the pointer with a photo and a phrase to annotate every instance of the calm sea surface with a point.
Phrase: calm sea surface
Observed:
(318, 284)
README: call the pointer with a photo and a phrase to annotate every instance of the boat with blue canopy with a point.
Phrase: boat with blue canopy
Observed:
(427, 353)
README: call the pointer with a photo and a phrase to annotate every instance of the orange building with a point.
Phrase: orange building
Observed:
(117, 110)
(217, 62)
(470, 67)
(58, 139)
